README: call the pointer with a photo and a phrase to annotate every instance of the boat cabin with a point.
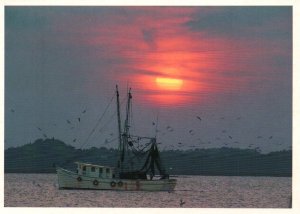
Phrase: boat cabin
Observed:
(96, 171)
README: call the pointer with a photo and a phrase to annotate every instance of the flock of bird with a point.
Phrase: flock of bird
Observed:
(225, 140)
(228, 139)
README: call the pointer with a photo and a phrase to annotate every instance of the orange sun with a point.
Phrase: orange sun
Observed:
(169, 83)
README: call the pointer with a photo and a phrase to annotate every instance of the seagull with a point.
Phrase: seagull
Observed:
(199, 118)
(74, 140)
(68, 121)
(12, 110)
(181, 202)
(83, 111)
(39, 128)
(230, 137)
(153, 124)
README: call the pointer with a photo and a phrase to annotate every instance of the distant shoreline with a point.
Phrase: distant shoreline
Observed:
(43, 155)
(279, 176)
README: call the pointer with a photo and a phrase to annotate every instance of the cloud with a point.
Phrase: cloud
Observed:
(149, 37)
(271, 22)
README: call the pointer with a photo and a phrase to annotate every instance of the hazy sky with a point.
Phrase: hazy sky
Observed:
(230, 66)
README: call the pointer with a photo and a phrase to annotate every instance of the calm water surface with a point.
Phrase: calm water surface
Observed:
(41, 190)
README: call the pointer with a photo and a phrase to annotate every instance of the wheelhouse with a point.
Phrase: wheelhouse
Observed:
(96, 171)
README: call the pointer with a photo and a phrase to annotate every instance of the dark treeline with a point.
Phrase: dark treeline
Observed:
(42, 155)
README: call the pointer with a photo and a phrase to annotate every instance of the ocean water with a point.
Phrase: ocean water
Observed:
(41, 190)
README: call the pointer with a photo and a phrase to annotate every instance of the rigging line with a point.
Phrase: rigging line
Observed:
(98, 122)
(112, 140)
(106, 124)
(111, 117)
(156, 126)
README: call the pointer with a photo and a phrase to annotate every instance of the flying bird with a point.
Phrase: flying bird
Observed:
(39, 128)
(12, 110)
(74, 140)
(181, 202)
(68, 121)
(83, 111)
(78, 119)
(199, 118)
(270, 137)
(230, 137)
(153, 124)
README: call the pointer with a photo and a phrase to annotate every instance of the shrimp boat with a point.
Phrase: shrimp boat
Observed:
(138, 161)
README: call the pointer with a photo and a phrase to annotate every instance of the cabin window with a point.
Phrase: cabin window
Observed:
(100, 170)
(93, 169)
(84, 168)
(107, 170)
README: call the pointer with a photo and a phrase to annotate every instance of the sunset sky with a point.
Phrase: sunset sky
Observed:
(213, 76)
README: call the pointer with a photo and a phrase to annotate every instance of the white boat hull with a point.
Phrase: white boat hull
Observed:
(71, 180)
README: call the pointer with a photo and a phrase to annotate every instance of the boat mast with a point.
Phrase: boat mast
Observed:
(119, 129)
(126, 125)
